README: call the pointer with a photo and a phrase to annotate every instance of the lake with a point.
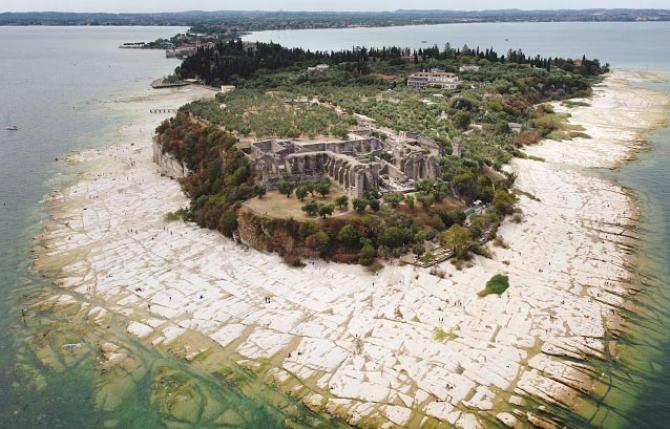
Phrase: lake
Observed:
(624, 44)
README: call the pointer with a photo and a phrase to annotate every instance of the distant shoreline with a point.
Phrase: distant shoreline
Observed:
(285, 20)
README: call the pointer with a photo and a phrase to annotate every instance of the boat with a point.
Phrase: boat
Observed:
(12, 128)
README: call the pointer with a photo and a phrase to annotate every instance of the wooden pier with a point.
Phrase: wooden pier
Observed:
(163, 110)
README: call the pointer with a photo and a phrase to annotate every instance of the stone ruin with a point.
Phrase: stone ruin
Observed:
(356, 165)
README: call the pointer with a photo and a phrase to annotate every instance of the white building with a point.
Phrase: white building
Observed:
(469, 68)
(439, 79)
(318, 68)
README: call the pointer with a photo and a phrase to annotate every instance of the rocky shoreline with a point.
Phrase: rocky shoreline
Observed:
(401, 347)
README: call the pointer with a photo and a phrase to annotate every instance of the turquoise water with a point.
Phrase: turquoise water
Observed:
(57, 87)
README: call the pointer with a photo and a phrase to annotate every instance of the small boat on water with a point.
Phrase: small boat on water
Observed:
(12, 128)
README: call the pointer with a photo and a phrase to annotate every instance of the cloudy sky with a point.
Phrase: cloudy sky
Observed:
(352, 5)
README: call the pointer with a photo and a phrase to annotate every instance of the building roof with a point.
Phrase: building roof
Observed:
(433, 74)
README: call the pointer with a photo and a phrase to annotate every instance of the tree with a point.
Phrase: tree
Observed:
(409, 200)
(360, 204)
(301, 192)
(503, 202)
(392, 237)
(426, 200)
(322, 187)
(418, 249)
(393, 199)
(348, 235)
(462, 119)
(437, 222)
(285, 188)
(309, 187)
(466, 185)
(374, 205)
(260, 191)
(367, 254)
(319, 241)
(311, 208)
(457, 239)
(326, 210)
(342, 202)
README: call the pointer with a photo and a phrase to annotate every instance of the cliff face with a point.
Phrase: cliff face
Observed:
(268, 235)
(167, 163)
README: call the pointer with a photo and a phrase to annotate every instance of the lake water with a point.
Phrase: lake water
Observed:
(57, 85)
(629, 45)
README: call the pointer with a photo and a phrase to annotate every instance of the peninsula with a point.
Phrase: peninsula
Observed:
(377, 153)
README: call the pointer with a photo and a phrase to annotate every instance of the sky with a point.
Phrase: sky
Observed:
(339, 5)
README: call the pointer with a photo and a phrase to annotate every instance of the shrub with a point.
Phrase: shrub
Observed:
(497, 285)
(367, 255)
(391, 237)
(348, 235)
(393, 199)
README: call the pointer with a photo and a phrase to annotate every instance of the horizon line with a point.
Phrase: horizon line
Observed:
(381, 11)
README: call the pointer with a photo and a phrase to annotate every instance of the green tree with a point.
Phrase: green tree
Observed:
(322, 187)
(462, 119)
(308, 228)
(260, 191)
(311, 208)
(426, 200)
(285, 188)
(326, 210)
(301, 192)
(391, 237)
(418, 249)
(375, 205)
(503, 202)
(360, 204)
(348, 235)
(319, 241)
(457, 239)
(309, 186)
(342, 202)
(393, 199)
(409, 200)
(367, 254)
